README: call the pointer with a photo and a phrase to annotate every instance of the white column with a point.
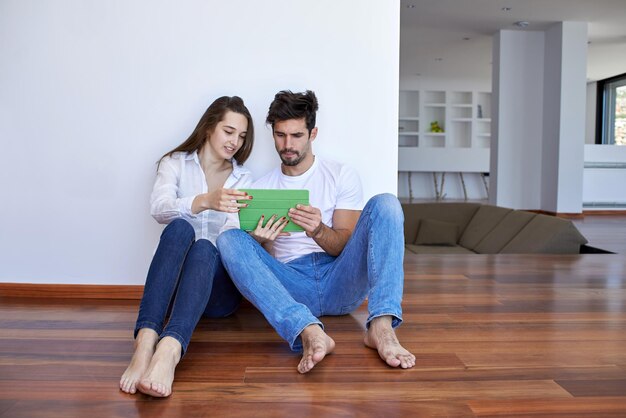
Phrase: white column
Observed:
(539, 118)
(564, 117)
(515, 172)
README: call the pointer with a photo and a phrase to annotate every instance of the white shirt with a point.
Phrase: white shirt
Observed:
(179, 180)
(331, 186)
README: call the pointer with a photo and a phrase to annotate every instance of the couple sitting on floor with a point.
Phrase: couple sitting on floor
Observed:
(204, 263)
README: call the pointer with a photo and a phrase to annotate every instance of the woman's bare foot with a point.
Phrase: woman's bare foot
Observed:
(381, 336)
(157, 381)
(315, 346)
(144, 349)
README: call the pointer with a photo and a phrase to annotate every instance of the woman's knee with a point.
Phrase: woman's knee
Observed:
(202, 249)
(179, 230)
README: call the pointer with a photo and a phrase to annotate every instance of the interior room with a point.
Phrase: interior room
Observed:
(498, 125)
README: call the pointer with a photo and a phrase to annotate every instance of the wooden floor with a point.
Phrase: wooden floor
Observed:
(494, 335)
(605, 231)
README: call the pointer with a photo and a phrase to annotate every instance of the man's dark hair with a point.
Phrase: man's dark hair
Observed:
(288, 105)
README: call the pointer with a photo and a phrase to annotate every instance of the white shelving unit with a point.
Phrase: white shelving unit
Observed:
(465, 117)
(409, 122)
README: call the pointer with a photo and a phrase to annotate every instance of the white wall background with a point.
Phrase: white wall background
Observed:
(478, 79)
(603, 181)
(92, 93)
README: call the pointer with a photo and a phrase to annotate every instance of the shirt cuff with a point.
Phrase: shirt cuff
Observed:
(184, 206)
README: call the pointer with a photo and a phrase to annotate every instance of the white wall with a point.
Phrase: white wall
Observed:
(422, 182)
(93, 92)
(604, 177)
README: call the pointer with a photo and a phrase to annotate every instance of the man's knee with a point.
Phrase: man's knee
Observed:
(230, 240)
(387, 205)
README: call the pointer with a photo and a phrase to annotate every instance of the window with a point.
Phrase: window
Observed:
(611, 113)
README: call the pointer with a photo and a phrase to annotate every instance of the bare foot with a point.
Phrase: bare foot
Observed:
(144, 348)
(381, 336)
(316, 344)
(157, 381)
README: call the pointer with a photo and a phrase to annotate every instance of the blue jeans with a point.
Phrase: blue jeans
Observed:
(186, 279)
(293, 295)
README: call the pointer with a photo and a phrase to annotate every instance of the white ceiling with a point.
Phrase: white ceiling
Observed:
(432, 43)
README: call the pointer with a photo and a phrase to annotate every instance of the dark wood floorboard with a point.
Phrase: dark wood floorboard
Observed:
(494, 335)
(604, 231)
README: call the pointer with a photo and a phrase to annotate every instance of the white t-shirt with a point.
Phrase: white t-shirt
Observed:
(179, 180)
(331, 186)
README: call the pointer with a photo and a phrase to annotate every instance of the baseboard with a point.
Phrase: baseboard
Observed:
(607, 212)
(570, 215)
(70, 291)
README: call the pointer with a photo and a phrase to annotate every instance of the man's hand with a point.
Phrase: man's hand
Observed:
(272, 229)
(332, 240)
(308, 218)
(223, 200)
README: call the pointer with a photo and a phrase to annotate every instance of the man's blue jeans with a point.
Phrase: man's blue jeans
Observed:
(187, 279)
(293, 295)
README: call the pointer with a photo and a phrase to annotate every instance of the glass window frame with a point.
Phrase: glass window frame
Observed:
(605, 108)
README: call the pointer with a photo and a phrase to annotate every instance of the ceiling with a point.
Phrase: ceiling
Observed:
(453, 38)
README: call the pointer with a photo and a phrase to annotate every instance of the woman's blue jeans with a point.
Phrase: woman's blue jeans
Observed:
(186, 279)
(293, 295)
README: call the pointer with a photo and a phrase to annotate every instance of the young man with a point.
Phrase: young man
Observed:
(342, 256)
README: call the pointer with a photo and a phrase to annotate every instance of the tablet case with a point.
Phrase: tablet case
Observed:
(270, 202)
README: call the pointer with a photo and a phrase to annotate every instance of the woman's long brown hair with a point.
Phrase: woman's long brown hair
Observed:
(213, 115)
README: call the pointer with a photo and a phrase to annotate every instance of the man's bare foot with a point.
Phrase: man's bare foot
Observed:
(157, 381)
(381, 336)
(315, 345)
(144, 349)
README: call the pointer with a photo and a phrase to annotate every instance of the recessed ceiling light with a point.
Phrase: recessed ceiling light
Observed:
(522, 24)
(506, 9)
(466, 38)
(410, 6)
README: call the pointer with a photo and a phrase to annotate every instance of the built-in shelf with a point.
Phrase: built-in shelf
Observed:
(464, 116)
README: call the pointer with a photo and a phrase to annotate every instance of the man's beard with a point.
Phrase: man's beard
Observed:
(295, 161)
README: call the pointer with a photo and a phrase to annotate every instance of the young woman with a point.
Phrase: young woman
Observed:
(195, 194)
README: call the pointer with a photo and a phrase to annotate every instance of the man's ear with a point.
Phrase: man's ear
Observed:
(313, 133)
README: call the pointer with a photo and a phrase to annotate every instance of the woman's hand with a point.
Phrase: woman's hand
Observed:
(223, 200)
(272, 229)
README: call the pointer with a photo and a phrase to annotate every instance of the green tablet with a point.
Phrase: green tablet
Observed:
(270, 202)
